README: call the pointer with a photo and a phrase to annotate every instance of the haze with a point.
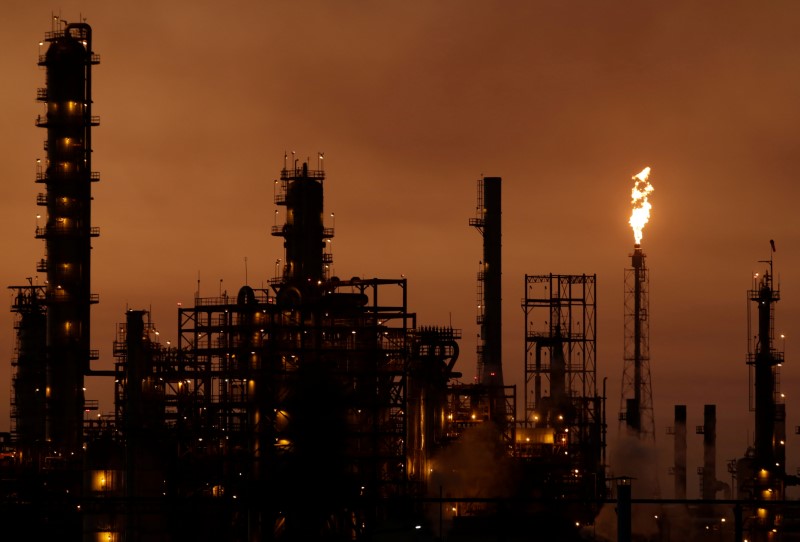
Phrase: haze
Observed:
(412, 102)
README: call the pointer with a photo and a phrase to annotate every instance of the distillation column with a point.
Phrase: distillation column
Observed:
(304, 233)
(67, 176)
(29, 380)
(490, 353)
(765, 361)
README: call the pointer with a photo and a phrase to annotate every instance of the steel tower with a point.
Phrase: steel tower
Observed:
(67, 175)
(636, 407)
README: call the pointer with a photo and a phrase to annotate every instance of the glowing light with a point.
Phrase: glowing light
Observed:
(641, 207)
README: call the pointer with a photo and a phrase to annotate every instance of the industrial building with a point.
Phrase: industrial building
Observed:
(318, 407)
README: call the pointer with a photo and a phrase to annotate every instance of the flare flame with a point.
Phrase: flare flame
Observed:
(641, 207)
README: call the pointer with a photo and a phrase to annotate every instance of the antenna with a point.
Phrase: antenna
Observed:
(245, 270)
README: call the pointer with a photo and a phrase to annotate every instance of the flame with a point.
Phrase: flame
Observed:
(641, 207)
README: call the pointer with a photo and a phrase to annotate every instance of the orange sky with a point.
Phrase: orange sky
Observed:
(411, 102)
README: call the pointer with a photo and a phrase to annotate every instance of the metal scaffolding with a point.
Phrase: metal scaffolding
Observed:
(636, 398)
(563, 425)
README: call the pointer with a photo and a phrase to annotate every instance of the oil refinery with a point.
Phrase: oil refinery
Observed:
(317, 407)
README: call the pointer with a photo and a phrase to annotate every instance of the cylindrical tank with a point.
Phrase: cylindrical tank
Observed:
(68, 231)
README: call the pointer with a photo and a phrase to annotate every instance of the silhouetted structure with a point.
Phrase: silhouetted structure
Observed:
(67, 175)
(563, 432)
(636, 409)
(762, 473)
(490, 318)
(28, 404)
(679, 467)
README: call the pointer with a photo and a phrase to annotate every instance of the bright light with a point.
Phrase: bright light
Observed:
(641, 207)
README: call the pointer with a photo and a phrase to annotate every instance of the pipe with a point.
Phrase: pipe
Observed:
(680, 451)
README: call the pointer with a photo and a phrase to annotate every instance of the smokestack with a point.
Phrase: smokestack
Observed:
(709, 452)
(488, 223)
(680, 451)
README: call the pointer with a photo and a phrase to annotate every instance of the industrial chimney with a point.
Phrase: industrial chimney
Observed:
(490, 353)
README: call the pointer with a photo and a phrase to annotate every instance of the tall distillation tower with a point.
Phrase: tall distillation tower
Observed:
(67, 175)
(766, 476)
(637, 395)
(490, 353)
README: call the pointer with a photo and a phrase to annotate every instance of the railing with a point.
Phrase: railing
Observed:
(298, 173)
(41, 266)
(44, 231)
(43, 121)
(41, 199)
(41, 177)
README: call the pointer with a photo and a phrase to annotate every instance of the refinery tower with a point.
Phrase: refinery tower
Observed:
(53, 325)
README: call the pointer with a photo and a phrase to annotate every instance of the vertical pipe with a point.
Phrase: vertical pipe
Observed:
(680, 451)
(135, 371)
(624, 510)
(709, 452)
(764, 380)
(634, 416)
(492, 326)
(780, 438)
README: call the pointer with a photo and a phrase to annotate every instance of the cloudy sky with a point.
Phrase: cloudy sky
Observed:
(412, 102)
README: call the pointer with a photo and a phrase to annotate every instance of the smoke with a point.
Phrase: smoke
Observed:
(475, 466)
(636, 459)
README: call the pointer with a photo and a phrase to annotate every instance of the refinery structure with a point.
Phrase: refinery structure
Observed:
(318, 408)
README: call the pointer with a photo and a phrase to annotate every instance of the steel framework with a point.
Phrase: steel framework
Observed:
(636, 399)
(563, 425)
